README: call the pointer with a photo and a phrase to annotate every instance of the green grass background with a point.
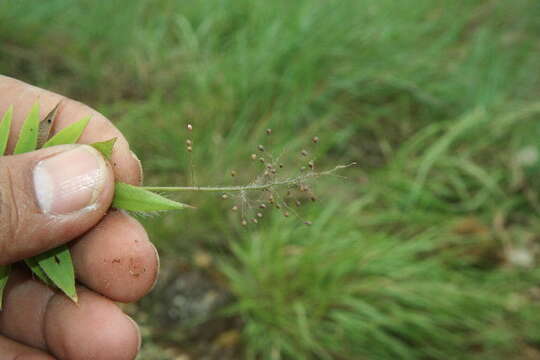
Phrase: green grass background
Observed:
(430, 248)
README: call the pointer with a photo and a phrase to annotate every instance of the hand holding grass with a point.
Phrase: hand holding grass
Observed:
(50, 197)
(60, 192)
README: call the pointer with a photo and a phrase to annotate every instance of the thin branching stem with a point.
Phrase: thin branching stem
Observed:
(249, 187)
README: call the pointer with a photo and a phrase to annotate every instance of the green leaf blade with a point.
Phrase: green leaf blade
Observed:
(33, 265)
(4, 276)
(134, 198)
(58, 266)
(70, 134)
(5, 127)
(28, 136)
(105, 147)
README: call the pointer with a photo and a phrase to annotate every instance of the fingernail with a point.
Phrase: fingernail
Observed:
(158, 268)
(69, 181)
(141, 176)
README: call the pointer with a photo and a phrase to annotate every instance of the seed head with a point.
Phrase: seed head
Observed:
(286, 214)
(273, 171)
(298, 203)
(277, 206)
(268, 131)
(260, 148)
(233, 173)
(281, 166)
(262, 206)
(224, 196)
(313, 198)
(255, 221)
(244, 222)
(266, 173)
(234, 208)
(259, 215)
(311, 164)
(303, 168)
(189, 127)
(189, 149)
(188, 142)
(315, 139)
(253, 156)
(308, 223)
(304, 153)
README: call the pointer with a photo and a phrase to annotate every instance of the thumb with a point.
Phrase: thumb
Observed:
(49, 197)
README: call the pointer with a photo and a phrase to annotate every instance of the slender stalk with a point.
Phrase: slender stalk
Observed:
(249, 187)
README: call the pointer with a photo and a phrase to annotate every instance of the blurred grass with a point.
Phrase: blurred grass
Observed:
(428, 251)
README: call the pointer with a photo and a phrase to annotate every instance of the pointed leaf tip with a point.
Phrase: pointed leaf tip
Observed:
(28, 136)
(105, 147)
(70, 134)
(135, 198)
(58, 266)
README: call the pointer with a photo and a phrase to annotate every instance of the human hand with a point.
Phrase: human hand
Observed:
(50, 197)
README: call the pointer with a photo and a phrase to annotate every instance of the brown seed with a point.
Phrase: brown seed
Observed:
(269, 166)
(277, 206)
(281, 166)
(262, 206)
(304, 153)
(234, 208)
(189, 127)
(273, 171)
(255, 221)
(308, 223)
(244, 222)
(261, 160)
(313, 198)
(253, 157)
(233, 173)
(188, 142)
(224, 196)
(315, 139)
(259, 215)
(286, 214)
(189, 149)
(268, 131)
(260, 148)
(311, 164)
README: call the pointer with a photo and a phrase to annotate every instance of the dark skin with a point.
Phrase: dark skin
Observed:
(113, 257)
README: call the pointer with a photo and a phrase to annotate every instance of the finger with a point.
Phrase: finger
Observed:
(11, 350)
(95, 328)
(127, 167)
(49, 197)
(116, 259)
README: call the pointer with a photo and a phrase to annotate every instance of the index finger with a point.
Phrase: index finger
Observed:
(22, 96)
